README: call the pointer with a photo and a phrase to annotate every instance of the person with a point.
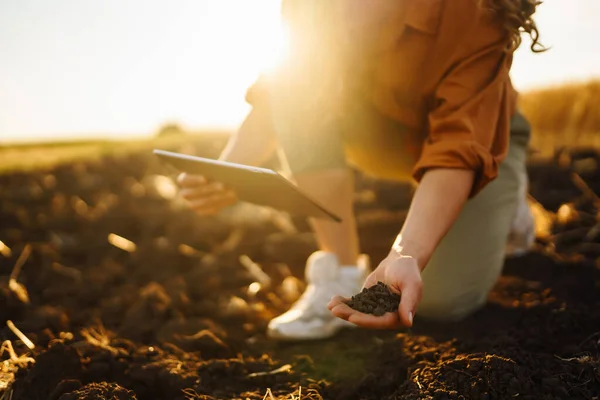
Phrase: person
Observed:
(402, 89)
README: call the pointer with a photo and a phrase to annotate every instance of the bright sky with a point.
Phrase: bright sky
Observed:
(123, 67)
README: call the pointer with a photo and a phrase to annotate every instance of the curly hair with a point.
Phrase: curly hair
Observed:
(517, 17)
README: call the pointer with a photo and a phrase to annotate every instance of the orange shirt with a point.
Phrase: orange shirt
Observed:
(440, 68)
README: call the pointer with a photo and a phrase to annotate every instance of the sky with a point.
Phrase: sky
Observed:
(121, 68)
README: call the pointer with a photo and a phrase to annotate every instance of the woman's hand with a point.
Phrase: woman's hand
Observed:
(205, 198)
(402, 275)
(434, 208)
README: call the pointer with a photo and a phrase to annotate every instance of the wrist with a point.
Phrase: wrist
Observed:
(404, 248)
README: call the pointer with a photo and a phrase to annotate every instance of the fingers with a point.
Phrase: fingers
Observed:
(340, 309)
(213, 204)
(204, 191)
(336, 300)
(412, 291)
(386, 321)
(205, 198)
(186, 180)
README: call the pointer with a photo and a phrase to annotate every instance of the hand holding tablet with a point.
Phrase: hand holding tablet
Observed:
(259, 186)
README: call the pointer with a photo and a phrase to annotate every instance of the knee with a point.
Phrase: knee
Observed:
(450, 307)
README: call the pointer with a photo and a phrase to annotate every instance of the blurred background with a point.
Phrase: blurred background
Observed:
(111, 69)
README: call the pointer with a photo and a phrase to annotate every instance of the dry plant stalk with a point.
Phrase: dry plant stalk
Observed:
(121, 243)
(20, 335)
(99, 338)
(189, 251)
(7, 395)
(256, 271)
(284, 222)
(9, 367)
(68, 272)
(5, 250)
(19, 361)
(293, 396)
(593, 233)
(190, 394)
(280, 370)
(585, 188)
(19, 290)
(269, 395)
(233, 240)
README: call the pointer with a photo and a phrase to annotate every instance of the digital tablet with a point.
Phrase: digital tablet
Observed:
(260, 186)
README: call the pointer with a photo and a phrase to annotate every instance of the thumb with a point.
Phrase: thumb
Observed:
(412, 290)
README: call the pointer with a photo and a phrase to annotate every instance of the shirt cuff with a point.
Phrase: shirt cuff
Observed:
(462, 154)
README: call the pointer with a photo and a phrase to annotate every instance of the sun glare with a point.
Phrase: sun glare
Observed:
(113, 69)
(232, 50)
(273, 40)
(241, 46)
(193, 70)
(254, 37)
(234, 44)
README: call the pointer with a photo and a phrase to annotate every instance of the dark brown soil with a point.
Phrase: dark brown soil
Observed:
(376, 300)
(174, 319)
(100, 391)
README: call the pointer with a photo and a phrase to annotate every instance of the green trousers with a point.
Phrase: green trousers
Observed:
(468, 261)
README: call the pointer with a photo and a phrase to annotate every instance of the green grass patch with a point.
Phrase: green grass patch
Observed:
(345, 359)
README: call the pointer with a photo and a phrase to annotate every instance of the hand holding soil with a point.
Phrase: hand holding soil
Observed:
(376, 300)
(400, 275)
(205, 197)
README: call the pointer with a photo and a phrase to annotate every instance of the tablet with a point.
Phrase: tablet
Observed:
(255, 185)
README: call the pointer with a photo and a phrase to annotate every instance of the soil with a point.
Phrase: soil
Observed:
(131, 295)
(376, 300)
(98, 391)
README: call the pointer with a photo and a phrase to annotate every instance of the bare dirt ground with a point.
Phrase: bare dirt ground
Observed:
(128, 295)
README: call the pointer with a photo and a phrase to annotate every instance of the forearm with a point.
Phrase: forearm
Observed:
(255, 140)
(436, 204)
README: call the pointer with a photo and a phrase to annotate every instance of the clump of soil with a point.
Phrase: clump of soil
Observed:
(475, 376)
(376, 300)
(100, 391)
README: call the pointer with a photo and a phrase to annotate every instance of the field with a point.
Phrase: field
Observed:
(110, 288)
(564, 115)
(36, 156)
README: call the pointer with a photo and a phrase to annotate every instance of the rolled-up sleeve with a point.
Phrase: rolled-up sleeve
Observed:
(469, 118)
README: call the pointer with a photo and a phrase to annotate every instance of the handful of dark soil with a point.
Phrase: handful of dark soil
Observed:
(376, 300)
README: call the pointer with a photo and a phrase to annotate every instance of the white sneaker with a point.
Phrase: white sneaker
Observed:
(522, 230)
(309, 318)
